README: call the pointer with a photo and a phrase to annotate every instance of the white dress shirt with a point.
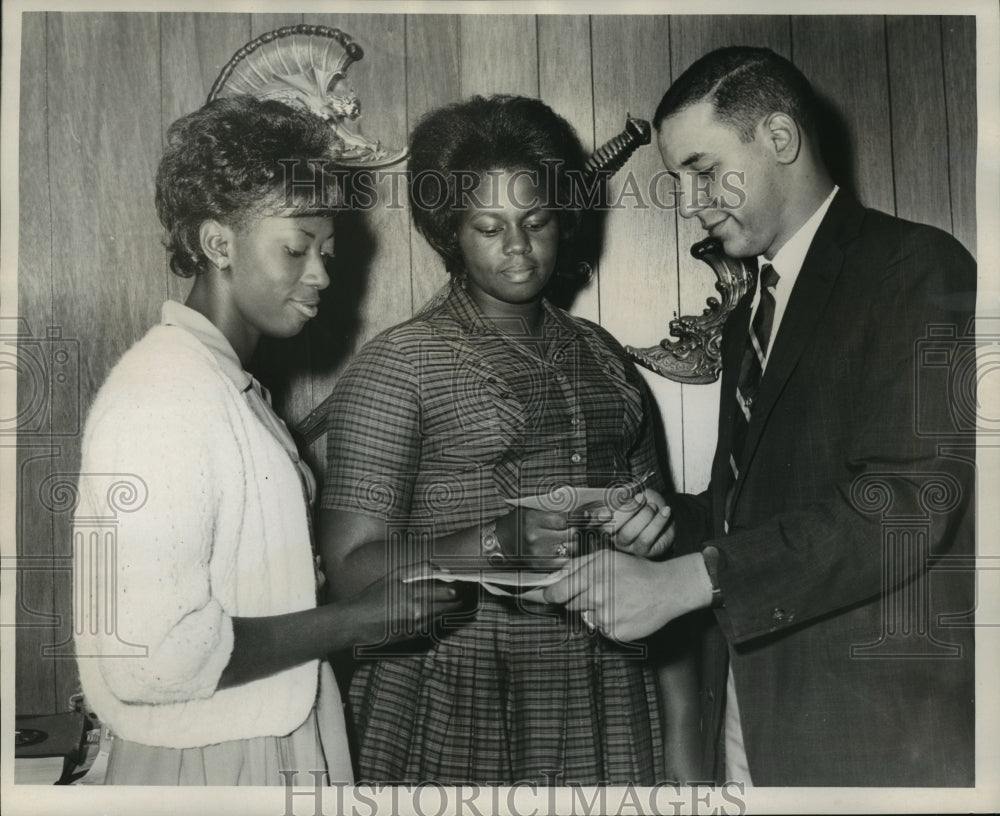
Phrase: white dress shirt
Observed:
(787, 262)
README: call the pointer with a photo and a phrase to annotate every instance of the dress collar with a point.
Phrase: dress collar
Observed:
(465, 311)
(204, 330)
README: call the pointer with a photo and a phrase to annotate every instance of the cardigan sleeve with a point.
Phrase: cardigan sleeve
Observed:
(157, 586)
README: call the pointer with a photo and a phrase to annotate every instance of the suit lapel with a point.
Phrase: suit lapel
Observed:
(820, 270)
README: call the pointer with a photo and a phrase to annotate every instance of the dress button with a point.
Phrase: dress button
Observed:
(575, 420)
(560, 377)
(576, 458)
(778, 613)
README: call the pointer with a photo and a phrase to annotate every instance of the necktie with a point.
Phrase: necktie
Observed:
(752, 368)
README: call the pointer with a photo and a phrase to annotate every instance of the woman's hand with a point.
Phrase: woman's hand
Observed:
(401, 605)
(528, 533)
(642, 526)
(386, 610)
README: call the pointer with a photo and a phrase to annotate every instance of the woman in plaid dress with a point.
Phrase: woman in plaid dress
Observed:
(491, 395)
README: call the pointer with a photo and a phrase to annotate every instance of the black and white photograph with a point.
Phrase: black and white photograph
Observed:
(500, 407)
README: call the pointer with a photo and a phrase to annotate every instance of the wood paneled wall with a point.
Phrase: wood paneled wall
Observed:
(98, 91)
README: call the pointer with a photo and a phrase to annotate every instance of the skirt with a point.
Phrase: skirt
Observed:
(319, 743)
(511, 696)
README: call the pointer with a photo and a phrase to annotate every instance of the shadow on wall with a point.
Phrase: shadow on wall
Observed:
(836, 145)
(584, 251)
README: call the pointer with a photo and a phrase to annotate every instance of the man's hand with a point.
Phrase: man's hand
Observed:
(642, 526)
(628, 598)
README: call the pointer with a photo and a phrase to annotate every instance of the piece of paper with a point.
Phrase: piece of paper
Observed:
(568, 499)
(501, 577)
(512, 582)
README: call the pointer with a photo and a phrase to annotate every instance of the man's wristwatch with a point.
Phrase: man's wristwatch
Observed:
(711, 556)
(490, 543)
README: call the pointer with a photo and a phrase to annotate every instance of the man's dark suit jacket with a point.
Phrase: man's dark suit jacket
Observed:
(857, 474)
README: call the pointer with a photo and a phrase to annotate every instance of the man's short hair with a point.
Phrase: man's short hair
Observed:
(744, 85)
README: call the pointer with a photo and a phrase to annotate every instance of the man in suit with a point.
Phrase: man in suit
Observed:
(839, 652)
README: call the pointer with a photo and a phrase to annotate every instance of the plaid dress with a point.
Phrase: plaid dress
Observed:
(435, 422)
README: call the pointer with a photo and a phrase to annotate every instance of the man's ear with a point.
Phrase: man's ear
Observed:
(216, 240)
(783, 136)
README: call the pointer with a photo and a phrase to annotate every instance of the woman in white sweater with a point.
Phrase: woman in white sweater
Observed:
(200, 641)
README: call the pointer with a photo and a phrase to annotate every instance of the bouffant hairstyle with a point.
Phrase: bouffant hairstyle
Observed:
(481, 134)
(235, 160)
(744, 85)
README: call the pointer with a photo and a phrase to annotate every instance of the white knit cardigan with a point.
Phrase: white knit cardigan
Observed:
(216, 529)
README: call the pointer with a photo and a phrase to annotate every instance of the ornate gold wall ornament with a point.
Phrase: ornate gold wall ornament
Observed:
(306, 66)
(694, 357)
